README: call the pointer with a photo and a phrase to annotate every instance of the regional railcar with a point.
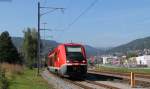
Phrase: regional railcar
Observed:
(68, 59)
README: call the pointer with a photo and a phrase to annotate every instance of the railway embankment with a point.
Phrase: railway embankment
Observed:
(91, 81)
(20, 77)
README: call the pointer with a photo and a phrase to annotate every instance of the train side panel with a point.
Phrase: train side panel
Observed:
(62, 55)
(52, 61)
(56, 59)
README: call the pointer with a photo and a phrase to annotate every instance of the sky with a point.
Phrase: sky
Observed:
(108, 23)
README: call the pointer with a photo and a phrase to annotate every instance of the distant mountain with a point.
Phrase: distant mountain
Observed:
(17, 41)
(46, 44)
(49, 44)
(138, 44)
(104, 48)
(93, 51)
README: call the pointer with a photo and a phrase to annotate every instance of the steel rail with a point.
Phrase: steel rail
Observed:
(102, 85)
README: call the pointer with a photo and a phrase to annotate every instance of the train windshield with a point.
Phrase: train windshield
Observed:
(74, 53)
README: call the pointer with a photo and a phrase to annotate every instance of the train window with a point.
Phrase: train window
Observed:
(74, 53)
(75, 56)
(73, 49)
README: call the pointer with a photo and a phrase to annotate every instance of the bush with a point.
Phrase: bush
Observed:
(4, 84)
(12, 69)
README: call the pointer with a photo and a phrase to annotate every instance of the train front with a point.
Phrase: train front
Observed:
(75, 60)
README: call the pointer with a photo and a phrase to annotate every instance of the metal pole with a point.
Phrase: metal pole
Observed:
(38, 54)
(39, 15)
(132, 80)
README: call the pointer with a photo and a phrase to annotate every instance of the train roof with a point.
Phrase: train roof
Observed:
(71, 44)
(65, 44)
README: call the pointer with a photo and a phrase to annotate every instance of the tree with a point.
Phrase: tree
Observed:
(30, 45)
(131, 54)
(8, 52)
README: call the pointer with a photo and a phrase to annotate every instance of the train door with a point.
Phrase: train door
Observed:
(51, 61)
(57, 59)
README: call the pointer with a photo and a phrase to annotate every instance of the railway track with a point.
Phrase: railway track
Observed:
(78, 84)
(102, 85)
(140, 79)
(93, 83)
(140, 75)
(96, 84)
(83, 83)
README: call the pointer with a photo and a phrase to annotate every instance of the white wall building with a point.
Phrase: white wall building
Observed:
(143, 60)
(108, 59)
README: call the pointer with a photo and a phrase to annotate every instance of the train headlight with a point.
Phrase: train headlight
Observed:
(68, 61)
(83, 61)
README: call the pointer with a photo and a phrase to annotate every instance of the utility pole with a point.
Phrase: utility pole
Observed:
(38, 54)
(39, 21)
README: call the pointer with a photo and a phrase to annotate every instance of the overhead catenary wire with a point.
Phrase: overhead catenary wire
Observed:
(82, 13)
(78, 17)
(45, 11)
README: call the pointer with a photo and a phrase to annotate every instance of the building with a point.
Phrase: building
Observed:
(143, 60)
(109, 59)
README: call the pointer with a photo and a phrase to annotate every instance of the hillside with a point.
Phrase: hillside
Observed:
(93, 51)
(48, 44)
(138, 44)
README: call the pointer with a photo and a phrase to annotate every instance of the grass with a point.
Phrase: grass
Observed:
(12, 69)
(20, 77)
(123, 70)
(29, 80)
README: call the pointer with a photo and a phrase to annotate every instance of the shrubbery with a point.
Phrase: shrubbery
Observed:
(4, 84)
(8, 51)
(30, 45)
(8, 72)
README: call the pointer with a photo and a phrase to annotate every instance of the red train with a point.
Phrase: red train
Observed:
(68, 59)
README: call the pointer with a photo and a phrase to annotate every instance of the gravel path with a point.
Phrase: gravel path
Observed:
(58, 82)
(61, 84)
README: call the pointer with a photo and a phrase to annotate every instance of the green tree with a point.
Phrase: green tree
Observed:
(132, 54)
(30, 44)
(8, 52)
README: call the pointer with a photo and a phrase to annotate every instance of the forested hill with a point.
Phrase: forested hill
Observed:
(138, 44)
(48, 44)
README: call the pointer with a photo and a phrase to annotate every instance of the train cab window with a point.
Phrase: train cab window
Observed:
(74, 53)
